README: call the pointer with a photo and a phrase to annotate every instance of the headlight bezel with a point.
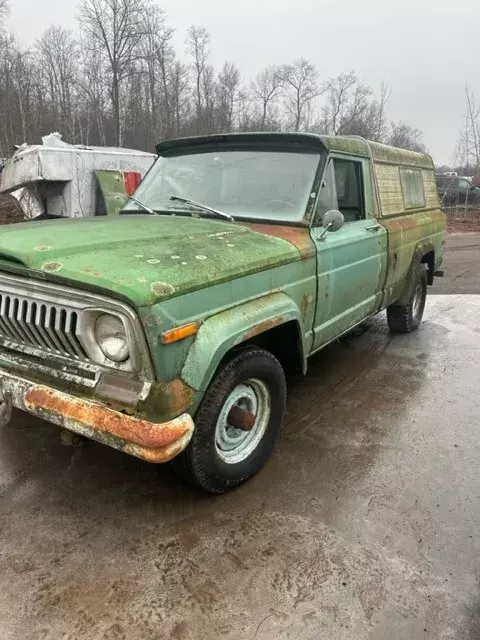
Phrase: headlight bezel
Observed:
(104, 334)
(87, 334)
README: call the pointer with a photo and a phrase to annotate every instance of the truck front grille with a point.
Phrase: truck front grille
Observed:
(46, 326)
(50, 328)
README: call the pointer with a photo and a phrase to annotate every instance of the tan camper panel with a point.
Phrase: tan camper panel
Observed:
(405, 180)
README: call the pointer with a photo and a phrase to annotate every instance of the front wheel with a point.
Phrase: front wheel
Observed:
(237, 422)
(407, 317)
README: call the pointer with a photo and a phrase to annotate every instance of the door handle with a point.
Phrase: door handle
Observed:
(374, 227)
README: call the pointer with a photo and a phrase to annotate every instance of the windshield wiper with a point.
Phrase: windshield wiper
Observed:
(203, 207)
(141, 204)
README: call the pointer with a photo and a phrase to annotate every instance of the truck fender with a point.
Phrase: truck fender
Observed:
(420, 251)
(223, 331)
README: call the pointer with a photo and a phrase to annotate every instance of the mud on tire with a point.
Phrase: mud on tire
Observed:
(219, 456)
(404, 318)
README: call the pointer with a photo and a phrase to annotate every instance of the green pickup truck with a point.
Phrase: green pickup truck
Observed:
(166, 331)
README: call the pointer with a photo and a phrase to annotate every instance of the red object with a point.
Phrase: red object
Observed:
(131, 180)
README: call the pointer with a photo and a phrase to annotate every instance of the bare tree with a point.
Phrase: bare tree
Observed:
(385, 94)
(198, 39)
(300, 80)
(116, 28)
(120, 82)
(246, 119)
(158, 57)
(352, 109)
(468, 148)
(209, 86)
(19, 92)
(266, 88)
(57, 59)
(406, 137)
(4, 11)
(92, 96)
(179, 97)
(227, 89)
(344, 102)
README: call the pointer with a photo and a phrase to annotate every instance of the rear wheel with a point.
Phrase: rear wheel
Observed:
(237, 422)
(407, 317)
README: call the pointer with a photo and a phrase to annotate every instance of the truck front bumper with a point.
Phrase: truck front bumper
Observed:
(154, 442)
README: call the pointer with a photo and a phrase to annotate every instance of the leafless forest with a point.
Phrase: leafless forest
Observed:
(118, 80)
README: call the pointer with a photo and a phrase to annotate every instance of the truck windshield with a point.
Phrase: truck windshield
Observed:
(268, 185)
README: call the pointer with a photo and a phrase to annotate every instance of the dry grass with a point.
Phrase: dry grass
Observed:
(463, 219)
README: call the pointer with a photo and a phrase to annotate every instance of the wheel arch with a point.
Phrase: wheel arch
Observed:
(428, 258)
(269, 322)
(424, 253)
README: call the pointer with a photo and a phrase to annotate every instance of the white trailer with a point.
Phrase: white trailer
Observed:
(56, 179)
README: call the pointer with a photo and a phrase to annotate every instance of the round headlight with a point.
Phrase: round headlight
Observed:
(111, 337)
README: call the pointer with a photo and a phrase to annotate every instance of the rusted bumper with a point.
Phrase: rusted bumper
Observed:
(154, 442)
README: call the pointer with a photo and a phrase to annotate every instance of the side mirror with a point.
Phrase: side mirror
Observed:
(333, 220)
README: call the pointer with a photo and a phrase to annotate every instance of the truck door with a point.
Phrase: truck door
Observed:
(351, 262)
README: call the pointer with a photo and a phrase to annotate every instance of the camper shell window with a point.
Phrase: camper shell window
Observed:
(412, 186)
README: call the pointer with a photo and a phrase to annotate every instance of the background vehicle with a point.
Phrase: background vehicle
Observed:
(456, 190)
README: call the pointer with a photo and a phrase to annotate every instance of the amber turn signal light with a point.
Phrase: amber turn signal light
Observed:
(180, 333)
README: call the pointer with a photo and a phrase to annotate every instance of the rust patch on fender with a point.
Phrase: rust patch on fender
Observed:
(261, 327)
(305, 304)
(92, 272)
(108, 421)
(161, 288)
(167, 399)
(52, 266)
(298, 236)
(179, 396)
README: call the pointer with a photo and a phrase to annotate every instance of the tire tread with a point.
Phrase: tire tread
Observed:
(190, 464)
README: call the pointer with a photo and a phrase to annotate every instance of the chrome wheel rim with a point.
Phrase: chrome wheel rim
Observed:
(417, 299)
(233, 445)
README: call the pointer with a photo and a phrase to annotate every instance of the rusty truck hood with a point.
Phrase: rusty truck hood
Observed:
(144, 258)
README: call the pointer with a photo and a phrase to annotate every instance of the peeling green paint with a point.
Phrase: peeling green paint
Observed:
(52, 266)
(131, 256)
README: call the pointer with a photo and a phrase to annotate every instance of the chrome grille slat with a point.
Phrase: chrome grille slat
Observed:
(59, 331)
(39, 323)
(70, 333)
(43, 325)
(49, 322)
(10, 318)
(4, 328)
(31, 315)
(22, 318)
(15, 316)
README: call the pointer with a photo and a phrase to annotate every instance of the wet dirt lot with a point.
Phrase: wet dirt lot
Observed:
(364, 525)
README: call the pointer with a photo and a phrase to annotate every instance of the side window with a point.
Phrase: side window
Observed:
(341, 189)
(327, 198)
(348, 177)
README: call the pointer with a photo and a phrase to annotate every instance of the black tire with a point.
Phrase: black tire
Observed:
(404, 318)
(201, 463)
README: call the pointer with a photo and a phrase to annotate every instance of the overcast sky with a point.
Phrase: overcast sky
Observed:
(424, 50)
